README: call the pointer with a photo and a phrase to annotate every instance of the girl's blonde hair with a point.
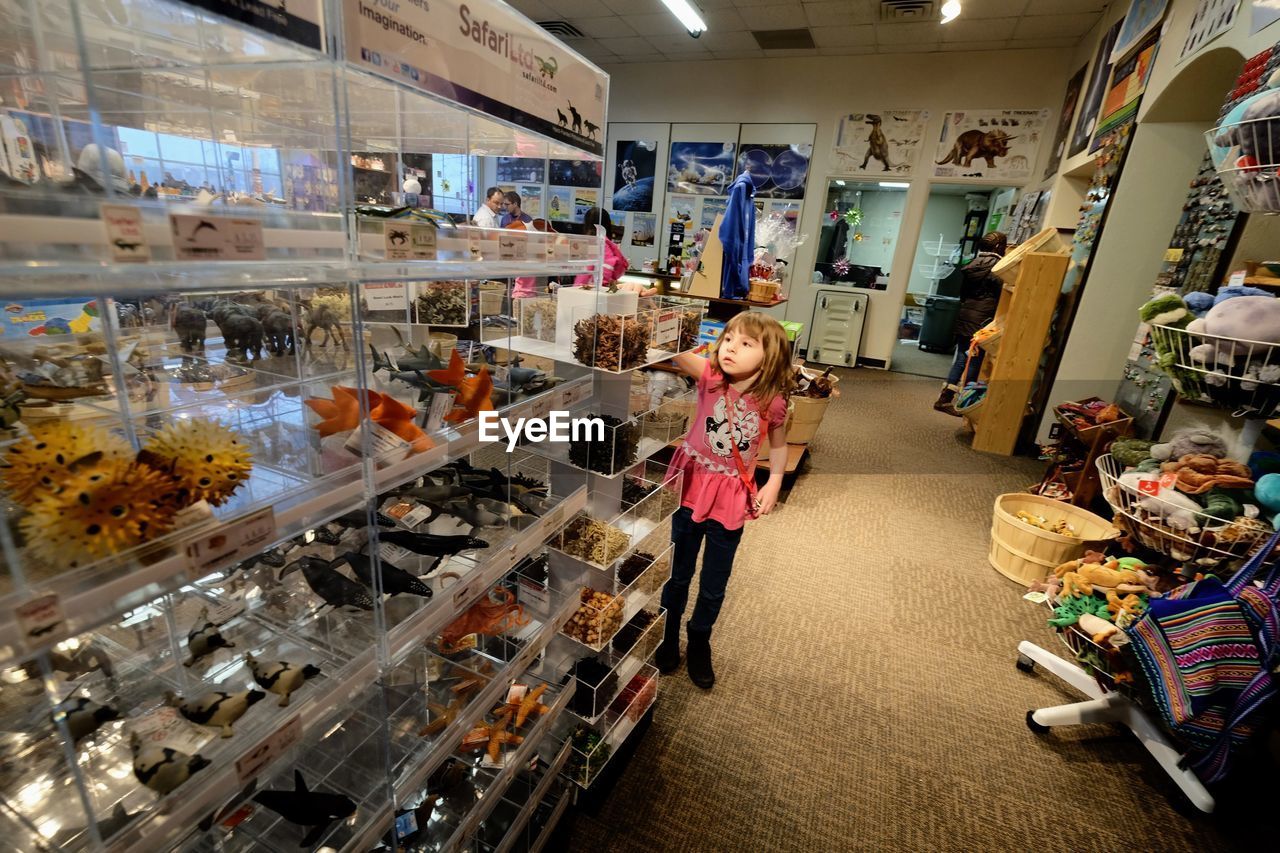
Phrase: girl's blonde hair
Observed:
(775, 376)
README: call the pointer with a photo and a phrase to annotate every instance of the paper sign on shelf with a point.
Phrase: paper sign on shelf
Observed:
(269, 749)
(125, 236)
(165, 728)
(216, 238)
(386, 296)
(230, 543)
(385, 446)
(39, 617)
(512, 247)
(667, 328)
(409, 241)
(394, 554)
(441, 405)
(1237, 278)
(1173, 256)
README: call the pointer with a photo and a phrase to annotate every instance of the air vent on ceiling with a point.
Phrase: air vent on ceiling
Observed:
(908, 10)
(784, 39)
(562, 29)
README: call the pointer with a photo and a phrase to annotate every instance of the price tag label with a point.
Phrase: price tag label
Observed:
(561, 248)
(166, 728)
(1168, 480)
(541, 407)
(394, 554)
(125, 236)
(666, 331)
(1149, 487)
(579, 249)
(1237, 278)
(39, 617)
(416, 516)
(224, 613)
(535, 596)
(386, 296)
(464, 592)
(1173, 256)
(424, 241)
(512, 247)
(385, 446)
(441, 405)
(230, 542)
(473, 244)
(396, 240)
(216, 238)
(269, 749)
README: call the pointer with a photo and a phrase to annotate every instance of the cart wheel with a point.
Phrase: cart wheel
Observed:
(1034, 726)
(1026, 664)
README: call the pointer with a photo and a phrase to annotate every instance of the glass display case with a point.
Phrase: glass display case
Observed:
(265, 582)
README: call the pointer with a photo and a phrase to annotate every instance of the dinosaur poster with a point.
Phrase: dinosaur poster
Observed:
(778, 171)
(878, 142)
(990, 144)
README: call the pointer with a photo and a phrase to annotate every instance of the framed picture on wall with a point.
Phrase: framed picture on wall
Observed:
(878, 142)
(701, 168)
(778, 171)
(635, 168)
(990, 144)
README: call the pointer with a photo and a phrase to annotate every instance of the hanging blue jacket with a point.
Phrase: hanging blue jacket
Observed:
(738, 236)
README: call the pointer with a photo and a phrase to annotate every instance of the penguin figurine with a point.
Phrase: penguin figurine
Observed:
(217, 710)
(280, 676)
(315, 809)
(83, 716)
(394, 579)
(204, 639)
(336, 589)
(163, 769)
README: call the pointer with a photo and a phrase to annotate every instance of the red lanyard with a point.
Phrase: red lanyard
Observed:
(747, 479)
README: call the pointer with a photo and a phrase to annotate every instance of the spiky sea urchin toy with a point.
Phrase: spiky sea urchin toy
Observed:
(206, 460)
(43, 460)
(104, 509)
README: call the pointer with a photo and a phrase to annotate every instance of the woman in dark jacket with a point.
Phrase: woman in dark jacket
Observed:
(979, 296)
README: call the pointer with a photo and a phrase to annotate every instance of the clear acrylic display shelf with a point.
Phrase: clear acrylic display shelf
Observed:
(510, 825)
(643, 516)
(589, 757)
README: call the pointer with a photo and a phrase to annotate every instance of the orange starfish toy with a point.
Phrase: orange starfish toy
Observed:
(453, 374)
(340, 414)
(475, 395)
(391, 414)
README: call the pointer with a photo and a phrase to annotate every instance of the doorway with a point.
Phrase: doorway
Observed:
(955, 216)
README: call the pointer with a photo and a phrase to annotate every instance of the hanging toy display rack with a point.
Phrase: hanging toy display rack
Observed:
(1246, 155)
(944, 256)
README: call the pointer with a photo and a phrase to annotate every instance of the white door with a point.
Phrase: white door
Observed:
(837, 327)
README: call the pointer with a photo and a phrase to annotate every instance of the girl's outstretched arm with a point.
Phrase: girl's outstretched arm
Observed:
(767, 498)
(690, 365)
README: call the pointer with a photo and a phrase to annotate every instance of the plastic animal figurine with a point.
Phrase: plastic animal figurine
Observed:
(204, 639)
(394, 579)
(335, 589)
(280, 677)
(218, 709)
(83, 716)
(431, 545)
(280, 332)
(242, 332)
(315, 809)
(325, 318)
(191, 325)
(162, 769)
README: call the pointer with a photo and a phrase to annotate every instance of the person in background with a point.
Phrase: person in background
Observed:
(487, 214)
(615, 263)
(979, 296)
(513, 212)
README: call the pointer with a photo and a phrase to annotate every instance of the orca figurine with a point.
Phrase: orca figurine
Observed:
(315, 809)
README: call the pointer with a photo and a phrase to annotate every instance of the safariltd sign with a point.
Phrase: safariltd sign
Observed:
(484, 56)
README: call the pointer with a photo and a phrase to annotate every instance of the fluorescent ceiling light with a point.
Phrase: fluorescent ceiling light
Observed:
(689, 16)
(950, 11)
(839, 183)
(894, 185)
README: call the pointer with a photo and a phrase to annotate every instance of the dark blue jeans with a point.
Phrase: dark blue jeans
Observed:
(717, 562)
(957, 366)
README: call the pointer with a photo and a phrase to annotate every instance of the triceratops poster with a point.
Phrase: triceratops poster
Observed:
(879, 142)
(990, 144)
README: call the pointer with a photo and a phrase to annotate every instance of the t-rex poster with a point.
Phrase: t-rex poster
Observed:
(633, 174)
(999, 144)
(879, 142)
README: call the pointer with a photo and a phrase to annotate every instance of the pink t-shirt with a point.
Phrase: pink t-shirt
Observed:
(713, 487)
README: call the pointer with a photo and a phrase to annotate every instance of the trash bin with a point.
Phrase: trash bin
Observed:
(937, 333)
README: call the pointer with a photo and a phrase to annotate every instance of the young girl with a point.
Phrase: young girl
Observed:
(742, 394)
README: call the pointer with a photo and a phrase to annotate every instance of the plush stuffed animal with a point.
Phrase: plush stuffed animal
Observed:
(1231, 291)
(1199, 472)
(1244, 319)
(1098, 628)
(1131, 604)
(1189, 441)
(1069, 610)
(1199, 302)
(1171, 506)
(1248, 141)
(1131, 452)
(1080, 578)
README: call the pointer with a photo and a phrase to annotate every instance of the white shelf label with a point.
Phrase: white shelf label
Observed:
(666, 328)
(39, 617)
(384, 445)
(394, 554)
(164, 727)
(409, 241)
(387, 296)
(579, 249)
(230, 542)
(125, 236)
(441, 405)
(269, 749)
(216, 238)
(512, 247)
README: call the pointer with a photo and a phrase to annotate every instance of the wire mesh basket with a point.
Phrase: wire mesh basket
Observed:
(1246, 155)
(1169, 524)
(1235, 373)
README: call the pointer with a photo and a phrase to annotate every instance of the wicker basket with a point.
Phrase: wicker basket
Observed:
(763, 290)
(1024, 553)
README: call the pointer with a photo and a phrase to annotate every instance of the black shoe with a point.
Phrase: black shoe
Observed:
(946, 401)
(698, 661)
(667, 657)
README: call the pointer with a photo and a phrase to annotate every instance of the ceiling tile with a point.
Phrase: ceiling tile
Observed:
(1069, 41)
(778, 54)
(680, 44)
(951, 47)
(628, 7)
(851, 50)
(732, 41)
(656, 25)
(630, 46)
(915, 47)
(737, 54)
(712, 5)
(844, 36)
(610, 27)
(993, 8)
(776, 16)
(535, 10)
(991, 29)
(576, 8)
(1055, 26)
(1063, 7)
(727, 20)
(910, 33)
(827, 13)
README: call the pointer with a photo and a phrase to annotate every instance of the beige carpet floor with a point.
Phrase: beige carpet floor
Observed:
(867, 695)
